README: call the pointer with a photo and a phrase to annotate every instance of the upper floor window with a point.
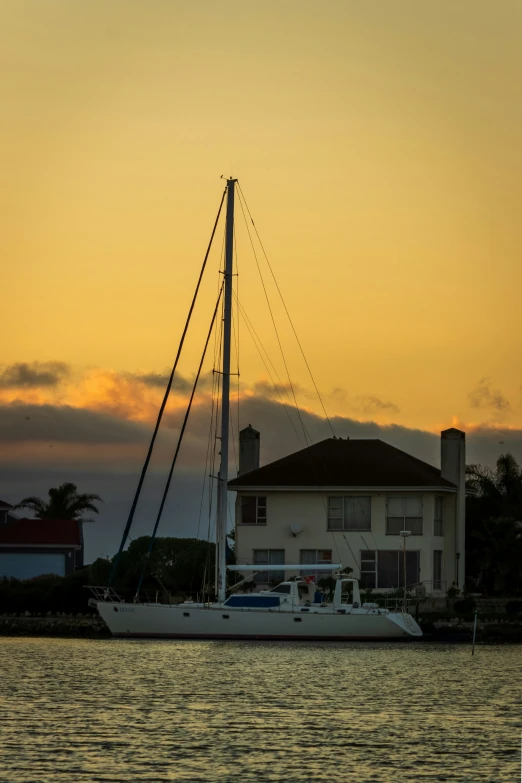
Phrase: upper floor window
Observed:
(349, 513)
(404, 513)
(438, 529)
(253, 510)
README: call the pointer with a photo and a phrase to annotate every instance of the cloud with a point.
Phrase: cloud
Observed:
(279, 391)
(21, 422)
(280, 426)
(365, 404)
(33, 375)
(179, 383)
(372, 404)
(484, 396)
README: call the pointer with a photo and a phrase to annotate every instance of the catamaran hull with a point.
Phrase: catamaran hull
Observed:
(161, 621)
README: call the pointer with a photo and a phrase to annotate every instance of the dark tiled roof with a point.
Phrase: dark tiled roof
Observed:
(345, 463)
(41, 532)
(3, 504)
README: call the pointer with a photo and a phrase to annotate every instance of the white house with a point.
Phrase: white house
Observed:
(344, 500)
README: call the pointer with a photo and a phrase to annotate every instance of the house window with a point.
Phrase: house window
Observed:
(253, 510)
(269, 557)
(352, 513)
(404, 513)
(385, 568)
(314, 557)
(437, 519)
(437, 569)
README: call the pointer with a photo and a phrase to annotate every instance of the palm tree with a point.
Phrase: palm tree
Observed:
(493, 525)
(499, 490)
(64, 503)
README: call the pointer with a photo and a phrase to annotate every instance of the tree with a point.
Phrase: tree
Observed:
(493, 526)
(176, 565)
(64, 503)
(499, 490)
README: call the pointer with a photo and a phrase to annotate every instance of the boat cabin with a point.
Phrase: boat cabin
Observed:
(299, 593)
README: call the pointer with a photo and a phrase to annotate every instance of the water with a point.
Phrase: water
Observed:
(131, 711)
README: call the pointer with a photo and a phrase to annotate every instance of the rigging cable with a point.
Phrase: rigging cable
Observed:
(178, 446)
(306, 436)
(214, 425)
(163, 404)
(211, 424)
(209, 465)
(255, 336)
(286, 310)
(243, 199)
(351, 552)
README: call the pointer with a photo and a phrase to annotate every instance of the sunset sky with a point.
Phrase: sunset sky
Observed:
(378, 147)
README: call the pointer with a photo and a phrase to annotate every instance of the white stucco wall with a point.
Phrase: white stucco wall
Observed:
(310, 510)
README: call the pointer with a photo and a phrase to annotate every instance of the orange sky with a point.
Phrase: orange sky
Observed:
(378, 146)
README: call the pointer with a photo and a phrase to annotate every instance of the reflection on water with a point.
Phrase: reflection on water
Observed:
(88, 710)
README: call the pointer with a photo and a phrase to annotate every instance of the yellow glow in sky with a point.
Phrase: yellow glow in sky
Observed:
(378, 146)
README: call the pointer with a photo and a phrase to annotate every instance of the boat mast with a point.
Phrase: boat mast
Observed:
(221, 522)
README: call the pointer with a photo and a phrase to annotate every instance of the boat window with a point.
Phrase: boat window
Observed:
(281, 589)
(256, 601)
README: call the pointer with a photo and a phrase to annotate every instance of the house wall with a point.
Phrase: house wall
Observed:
(36, 561)
(310, 511)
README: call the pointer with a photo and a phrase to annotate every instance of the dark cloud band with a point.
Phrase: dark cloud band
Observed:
(33, 374)
(20, 422)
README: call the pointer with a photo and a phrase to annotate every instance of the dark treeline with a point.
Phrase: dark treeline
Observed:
(177, 568)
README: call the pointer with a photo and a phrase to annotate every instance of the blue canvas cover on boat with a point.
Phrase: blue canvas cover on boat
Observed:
(253, 601)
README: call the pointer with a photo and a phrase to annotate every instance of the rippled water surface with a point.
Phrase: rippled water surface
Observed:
(89, 710)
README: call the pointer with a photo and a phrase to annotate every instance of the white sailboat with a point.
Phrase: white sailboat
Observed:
(291, 610)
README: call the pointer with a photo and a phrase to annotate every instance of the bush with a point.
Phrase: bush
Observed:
(514, 607)
(44, 594)
(453, 591)
(465, 606)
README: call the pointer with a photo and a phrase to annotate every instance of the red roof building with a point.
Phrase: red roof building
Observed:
(4, 511)
(33, 547)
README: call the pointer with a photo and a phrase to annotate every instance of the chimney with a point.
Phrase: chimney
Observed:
(453, 468)
(248, 450)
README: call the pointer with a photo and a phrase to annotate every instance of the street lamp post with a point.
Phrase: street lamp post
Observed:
(404, 534)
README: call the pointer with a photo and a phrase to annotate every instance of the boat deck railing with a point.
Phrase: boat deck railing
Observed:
(393, 599)
(105, 594)
(126, 595)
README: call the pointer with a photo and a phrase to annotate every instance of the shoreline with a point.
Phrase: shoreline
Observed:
(68, 626)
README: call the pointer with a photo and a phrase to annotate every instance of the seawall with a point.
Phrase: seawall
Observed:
(74, 626)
